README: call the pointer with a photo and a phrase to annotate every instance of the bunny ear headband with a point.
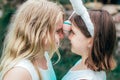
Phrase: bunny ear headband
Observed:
(80, 9)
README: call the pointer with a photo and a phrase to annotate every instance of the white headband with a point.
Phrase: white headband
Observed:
(80, 9)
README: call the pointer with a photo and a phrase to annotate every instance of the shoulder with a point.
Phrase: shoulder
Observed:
(17, 73)
(85, 75)
(78, 75)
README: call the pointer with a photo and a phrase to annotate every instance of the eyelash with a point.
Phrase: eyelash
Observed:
(71, 31)
(59, 30)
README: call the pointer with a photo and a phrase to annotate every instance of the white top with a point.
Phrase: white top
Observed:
(85, 74)
(48, 74)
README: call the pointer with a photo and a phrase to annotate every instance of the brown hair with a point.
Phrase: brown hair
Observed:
(101, 57)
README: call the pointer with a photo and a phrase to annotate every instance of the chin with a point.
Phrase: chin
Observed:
(72, 50)
(75, 52)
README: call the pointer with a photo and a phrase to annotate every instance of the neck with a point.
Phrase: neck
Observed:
(83, 59)
(85, 56)
(83, 66)
(41, 62)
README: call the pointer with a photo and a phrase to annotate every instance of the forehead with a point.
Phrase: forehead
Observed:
(75, 28)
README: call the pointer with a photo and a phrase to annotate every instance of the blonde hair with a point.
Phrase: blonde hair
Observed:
(34, 24)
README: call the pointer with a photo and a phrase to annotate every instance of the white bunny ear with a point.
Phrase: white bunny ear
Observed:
(80, 9)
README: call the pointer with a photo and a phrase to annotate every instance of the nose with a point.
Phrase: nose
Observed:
(61, 35)
(70, 36)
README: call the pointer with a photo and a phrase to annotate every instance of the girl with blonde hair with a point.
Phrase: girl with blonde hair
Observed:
(32, 38)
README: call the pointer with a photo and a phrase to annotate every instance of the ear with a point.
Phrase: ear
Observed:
(90, 42)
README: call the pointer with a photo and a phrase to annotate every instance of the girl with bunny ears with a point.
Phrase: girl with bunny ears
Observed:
(92, 36)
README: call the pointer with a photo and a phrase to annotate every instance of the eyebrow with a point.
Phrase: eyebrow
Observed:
(59, 26)
(59, 29)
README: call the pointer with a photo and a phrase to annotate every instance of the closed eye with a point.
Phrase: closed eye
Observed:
(60, 30)
(71, 32)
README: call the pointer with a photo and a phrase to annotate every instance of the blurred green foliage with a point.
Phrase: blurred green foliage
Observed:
(67, 60)
(7, 12)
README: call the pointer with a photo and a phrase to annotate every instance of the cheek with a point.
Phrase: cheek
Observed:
(76, 43)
